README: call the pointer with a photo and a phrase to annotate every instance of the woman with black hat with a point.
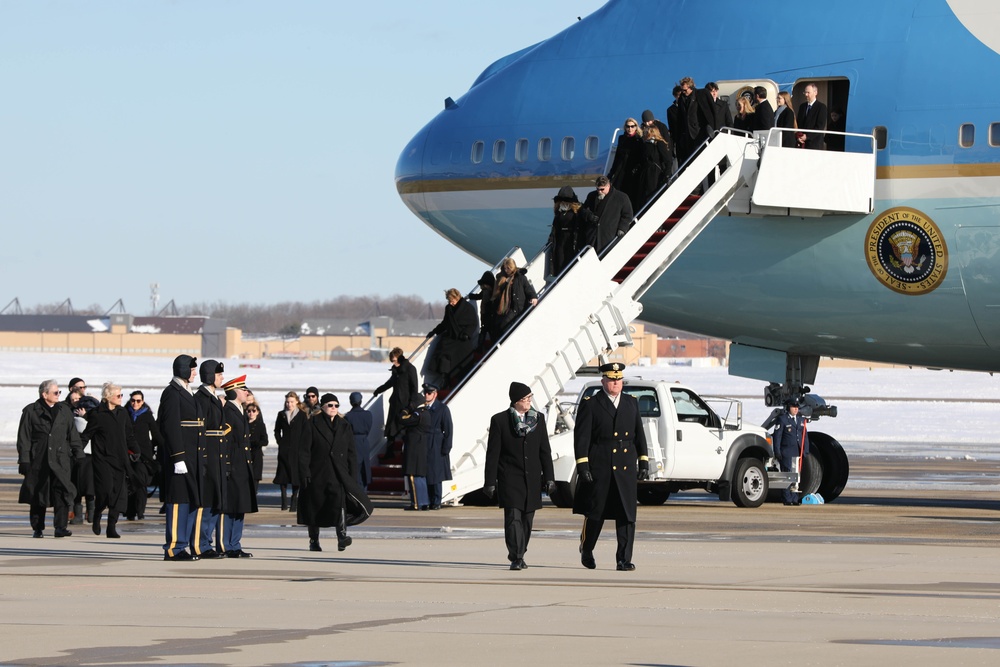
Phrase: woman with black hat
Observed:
(328, 464)
(518, 458)
(567, 228)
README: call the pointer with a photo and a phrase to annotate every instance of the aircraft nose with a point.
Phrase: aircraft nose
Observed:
(410, 166)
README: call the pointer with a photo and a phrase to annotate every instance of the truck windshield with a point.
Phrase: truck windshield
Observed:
(649, 406)
(690, 408)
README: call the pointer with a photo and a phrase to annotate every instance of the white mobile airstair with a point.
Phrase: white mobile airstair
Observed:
(586, 311)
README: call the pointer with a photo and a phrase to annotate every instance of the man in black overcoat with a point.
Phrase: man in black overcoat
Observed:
(439, 440)
(458, 335)
(183, 429)
(405, 394)
(518, 458)
(216, 464)
(763, 117)
(812, 116)
(610, 214)
(610, 447)
(47, 443)
(241, 491)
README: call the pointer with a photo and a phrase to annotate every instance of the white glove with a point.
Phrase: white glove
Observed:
(180, 468)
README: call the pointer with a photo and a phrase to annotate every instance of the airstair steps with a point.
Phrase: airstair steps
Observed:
(584, 313)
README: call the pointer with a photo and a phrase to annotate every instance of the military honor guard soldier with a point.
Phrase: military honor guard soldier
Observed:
(213, 457)
(183, 428)
(241, 490)
(611, 457)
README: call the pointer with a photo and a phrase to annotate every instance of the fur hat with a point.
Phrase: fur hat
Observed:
(182, 366)
(209, 368)
(566, 193)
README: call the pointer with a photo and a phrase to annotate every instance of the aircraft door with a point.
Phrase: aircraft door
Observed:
(979, 257)
(730, 90)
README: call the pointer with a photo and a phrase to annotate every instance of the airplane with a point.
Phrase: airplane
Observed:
(910, 277)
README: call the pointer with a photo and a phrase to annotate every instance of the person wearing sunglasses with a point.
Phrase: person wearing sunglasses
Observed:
(83, 477)
(47, 441)
(146, 470)
(111, 437)
(258, 438)
(328, 464)
(624, 172)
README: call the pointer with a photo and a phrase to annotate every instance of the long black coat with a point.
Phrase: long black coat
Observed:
(813, 119)
(241, 491)
(291, 439)
(183, 430)
(763, 117)
(613, 214)
(624, 173)
(785, 117)
(328, 468)
(439, 439)
(214, 449)
(654, 172)
(111, 437)
(258, 441)
(405, 393)
(568, 227)
(47, 439)
(521, 294)
(458, 335)
(417, 422)
(517, 466)
(612, 442)
(149, 441)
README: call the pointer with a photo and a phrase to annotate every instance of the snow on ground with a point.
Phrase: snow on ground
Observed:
(882, 412)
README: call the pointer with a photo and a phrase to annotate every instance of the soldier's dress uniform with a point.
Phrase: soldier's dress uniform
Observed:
(214, 461)
(609, 443)
(183, 428)
(789, 436)
(241, 493)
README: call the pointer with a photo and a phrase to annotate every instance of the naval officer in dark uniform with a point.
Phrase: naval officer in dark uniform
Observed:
(182, 427)
(241, 488)
(213, 457)
(610, 457)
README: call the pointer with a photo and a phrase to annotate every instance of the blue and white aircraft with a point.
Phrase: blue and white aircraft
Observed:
(913, 280)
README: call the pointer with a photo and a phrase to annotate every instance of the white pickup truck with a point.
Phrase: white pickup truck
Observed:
(691, 445)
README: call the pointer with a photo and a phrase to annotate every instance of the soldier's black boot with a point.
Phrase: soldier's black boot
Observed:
(97, 522)
(284, 498)
(77, 513)
(89, 516)
(314, 539)
(294, 505)
(112, 522)
(343, 539)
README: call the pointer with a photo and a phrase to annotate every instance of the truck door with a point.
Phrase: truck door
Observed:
(699, 450)
(652, 416)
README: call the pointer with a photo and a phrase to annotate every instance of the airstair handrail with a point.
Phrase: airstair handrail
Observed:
(611, 150)
(774, 137)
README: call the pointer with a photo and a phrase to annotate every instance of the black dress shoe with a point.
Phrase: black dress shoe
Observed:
(238, 553)
(314, 545)
(435, 507)
(37, 534)
(212, 553)
(522, 564)
(587, 559)
(62, 532)
(424, 508)
(344, 542)
(180, 555)
(515, 565)
(112, 533)
(624, 566)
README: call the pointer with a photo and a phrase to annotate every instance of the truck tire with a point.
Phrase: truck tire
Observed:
(749, 485)
(836, 467)
(563, 496)
(653, 494)
(812, 474)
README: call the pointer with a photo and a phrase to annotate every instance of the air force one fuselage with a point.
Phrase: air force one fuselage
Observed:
(921, 73)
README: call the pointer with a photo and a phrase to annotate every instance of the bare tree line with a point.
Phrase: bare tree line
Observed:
(285, 317)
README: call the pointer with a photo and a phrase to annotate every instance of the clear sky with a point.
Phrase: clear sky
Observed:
(232, 151)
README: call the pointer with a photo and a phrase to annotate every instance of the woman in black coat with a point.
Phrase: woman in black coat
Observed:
(328, 466)
(458, 334)
(258, 441)
(624, 173)
(518, 460)
(654, 169)
(511, 296)
(784, 117)
(109, 432)
(146, 471)
(567, 229)
(290, 432)
(405, 393)
(486, 313)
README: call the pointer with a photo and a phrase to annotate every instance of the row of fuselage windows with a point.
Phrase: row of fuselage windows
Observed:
(591, 145)
(543, 151)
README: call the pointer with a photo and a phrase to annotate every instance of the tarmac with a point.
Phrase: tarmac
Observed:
(876, 578)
